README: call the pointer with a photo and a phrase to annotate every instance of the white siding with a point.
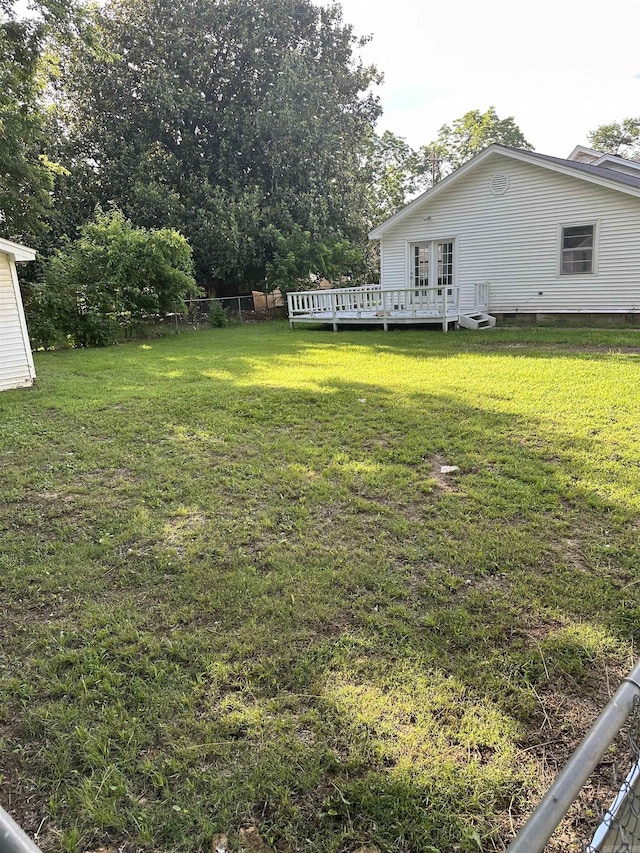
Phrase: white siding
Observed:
(16, 366)
(513, 240)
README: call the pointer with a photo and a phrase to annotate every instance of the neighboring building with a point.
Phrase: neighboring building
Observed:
(548, 236)
(16, 362)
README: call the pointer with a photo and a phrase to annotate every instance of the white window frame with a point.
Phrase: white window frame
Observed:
(595, 224)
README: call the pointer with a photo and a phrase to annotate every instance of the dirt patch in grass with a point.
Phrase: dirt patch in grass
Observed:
(444, 480)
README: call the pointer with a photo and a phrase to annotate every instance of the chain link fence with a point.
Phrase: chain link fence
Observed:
(619, 831)
(206, 313)
(209, 311)
(619, 822)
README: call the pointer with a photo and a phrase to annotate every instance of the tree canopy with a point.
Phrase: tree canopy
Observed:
(464, 138)
(231, 120)
(620, 137)
(26, 179)
(26, 172)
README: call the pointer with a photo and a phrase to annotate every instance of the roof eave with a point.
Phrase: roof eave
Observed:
(514, 154)
(17, 251)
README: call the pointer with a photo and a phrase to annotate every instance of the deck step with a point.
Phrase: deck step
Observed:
(477, 320)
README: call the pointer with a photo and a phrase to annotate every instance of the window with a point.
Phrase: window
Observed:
(445, 267)
(577, 249)
(421, 266)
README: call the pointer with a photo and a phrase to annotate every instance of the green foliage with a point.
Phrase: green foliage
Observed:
(466, 137)
(393, 170)
(113, 274)
(229, 121)
(620, 137)
(217, 315)
(26, 178)
(26, 172)
(301, 259)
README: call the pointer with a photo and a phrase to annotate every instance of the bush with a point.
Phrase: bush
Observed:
(115, 274)
(217, 315)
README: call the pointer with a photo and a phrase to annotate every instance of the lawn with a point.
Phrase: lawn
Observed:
(241, 598)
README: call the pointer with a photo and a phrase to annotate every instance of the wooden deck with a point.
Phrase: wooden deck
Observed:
(373, 305)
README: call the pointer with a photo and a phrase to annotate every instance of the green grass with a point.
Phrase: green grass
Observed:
(237, 592)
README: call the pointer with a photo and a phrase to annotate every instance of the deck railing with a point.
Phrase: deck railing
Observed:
(375, 301)
(481, 296)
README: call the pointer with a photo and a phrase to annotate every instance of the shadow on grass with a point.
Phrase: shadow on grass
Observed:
(248, 597)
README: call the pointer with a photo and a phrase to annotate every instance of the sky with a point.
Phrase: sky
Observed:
(561, 68)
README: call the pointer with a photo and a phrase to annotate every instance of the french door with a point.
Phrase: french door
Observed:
(432, 265)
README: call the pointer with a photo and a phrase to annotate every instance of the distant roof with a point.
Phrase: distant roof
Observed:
(17, 250)
(612, 178)
(589, 168)
(584, 154)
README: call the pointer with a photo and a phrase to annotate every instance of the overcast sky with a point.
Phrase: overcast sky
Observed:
(560, 67)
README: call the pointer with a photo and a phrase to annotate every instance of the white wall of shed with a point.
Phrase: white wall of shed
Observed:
(513, 241)
(16, 361)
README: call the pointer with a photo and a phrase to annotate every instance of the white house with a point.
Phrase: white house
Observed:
(16, 362)
(511, 233)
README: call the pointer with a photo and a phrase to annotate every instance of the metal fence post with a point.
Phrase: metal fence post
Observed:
(13, 839)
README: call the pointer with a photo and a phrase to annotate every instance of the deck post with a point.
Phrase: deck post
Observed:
(335, 327)
(385, 326)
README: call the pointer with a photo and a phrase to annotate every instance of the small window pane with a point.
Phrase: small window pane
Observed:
(421, 266)
(577, 249)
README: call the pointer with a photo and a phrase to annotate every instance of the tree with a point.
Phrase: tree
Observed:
(112, 275)
(25, 177)
(392, 165)
(26, 173)
(620, 137)
(232, 120)
(465, 138)
(300, 260)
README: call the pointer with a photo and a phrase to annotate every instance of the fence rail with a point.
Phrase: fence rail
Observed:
(13, 839)
(539, 828)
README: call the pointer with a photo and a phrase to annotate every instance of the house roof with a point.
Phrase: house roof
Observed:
(584, 154)
(598, 168)
(601, 175)
(17, 250)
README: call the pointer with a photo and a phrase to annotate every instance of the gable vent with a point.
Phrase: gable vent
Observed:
(499, 184)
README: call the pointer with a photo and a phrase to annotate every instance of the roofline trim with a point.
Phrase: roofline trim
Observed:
(17, 251)
(513, 153)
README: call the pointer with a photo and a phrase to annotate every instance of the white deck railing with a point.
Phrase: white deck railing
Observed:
(481, 296)
(374, 301)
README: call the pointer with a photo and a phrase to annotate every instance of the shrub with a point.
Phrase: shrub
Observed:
(114, 274)
(217, 315)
